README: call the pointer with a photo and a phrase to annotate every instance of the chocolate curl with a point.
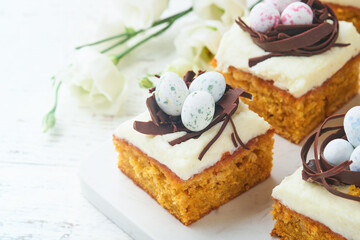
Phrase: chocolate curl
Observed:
(298, 40)
(207, 147)
(322, 172)
(234, 141)
(150, 128)
(153, 109)
(237, 135)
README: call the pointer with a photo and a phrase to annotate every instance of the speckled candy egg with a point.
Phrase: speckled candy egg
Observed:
(212, 82)
(263, 17)
(355, 157)
(352, 126)
(297, 13)
(198, 110)
(338, 151)
(280, 4)
(171, 93)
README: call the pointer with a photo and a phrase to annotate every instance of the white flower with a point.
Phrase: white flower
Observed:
(95, 81)
(197, 43)
(181, 66)
(140, 14)
(107, 26)
(225, 11)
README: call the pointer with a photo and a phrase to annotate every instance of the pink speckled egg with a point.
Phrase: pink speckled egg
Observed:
(297, 13)
(280, 4)
(263, 17)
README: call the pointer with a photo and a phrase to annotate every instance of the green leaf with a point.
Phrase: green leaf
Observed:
(129, 30)
(146, 83)
(206, 55)
(212, 28)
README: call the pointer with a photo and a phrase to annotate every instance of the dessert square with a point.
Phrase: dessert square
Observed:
(304, 210)
(189, 188)
(321, 200)
(347, 10)
(293, 93)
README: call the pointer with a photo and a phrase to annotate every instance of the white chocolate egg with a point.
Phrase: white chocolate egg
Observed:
(297, 13)
(338, 151)
(171, 93)
(355, 157)
(198, 110)
(212, 82)
(352, 126)
(281, 4)
(263, 17)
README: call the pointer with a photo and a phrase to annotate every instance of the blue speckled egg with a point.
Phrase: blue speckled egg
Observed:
(338, 151)
(171, 93)
(198, 110)
(212, 82)
(355, 157)
(352, 126)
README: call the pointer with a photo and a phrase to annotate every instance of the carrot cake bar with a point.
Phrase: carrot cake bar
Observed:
(321, 200)
(298, 74)
(347, 10)
(189, 164)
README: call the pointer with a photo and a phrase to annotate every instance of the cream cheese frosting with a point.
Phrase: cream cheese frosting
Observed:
(295, 74)
(351, 3)
(182, 159)
(314, 201)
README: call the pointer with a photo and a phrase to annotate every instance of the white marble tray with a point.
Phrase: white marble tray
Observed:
(246, 217)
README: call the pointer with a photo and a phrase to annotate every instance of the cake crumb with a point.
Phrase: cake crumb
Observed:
(355, 191)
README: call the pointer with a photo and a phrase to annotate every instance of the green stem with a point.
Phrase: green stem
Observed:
(169, 20)
(101, 41)
(128, 35)
(122, 41)
(255, 4)
(173, 17)
(56, 97)
(127, 51)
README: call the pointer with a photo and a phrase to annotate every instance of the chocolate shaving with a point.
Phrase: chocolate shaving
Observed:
(151, 90)
(212, 141)
(189, 77)
(298, 40)
(237, 135)
(153, 109)
(161, 123)
(320, 171)
(233, 140)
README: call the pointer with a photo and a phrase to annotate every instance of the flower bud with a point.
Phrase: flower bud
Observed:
(48, 121)
(146, 83)
(114, 59)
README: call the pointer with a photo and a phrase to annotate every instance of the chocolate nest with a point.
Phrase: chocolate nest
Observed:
(320, 171)
(298, 40)
(161, 123)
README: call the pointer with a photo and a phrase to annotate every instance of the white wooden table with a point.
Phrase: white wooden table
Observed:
(40, 195)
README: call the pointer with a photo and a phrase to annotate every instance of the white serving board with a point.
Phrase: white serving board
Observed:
(245, 217)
